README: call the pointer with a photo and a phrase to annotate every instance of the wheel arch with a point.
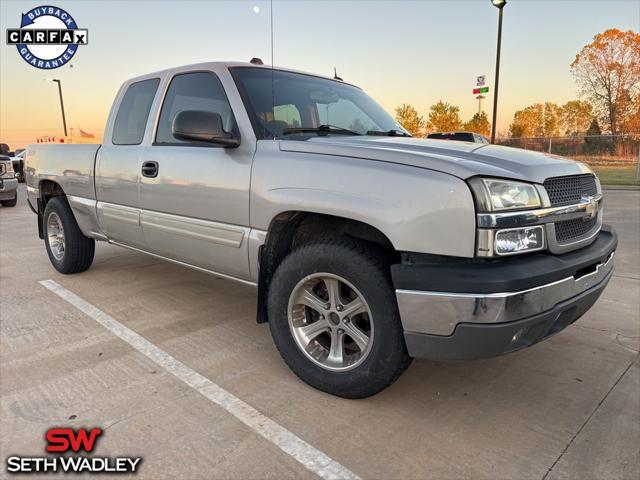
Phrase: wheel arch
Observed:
(290, 229)
(47, 189)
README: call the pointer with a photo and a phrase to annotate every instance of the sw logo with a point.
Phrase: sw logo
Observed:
(48, 37)
(65, 440)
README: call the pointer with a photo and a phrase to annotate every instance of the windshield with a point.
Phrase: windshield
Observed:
(303, 106)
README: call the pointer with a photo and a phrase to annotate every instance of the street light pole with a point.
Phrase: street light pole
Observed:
(499, 4)
(64, 120)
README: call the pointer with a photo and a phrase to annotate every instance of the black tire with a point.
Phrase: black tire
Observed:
(10, 203)
(367, 272)
(78, 249)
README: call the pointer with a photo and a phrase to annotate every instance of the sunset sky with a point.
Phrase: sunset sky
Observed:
(415, 52)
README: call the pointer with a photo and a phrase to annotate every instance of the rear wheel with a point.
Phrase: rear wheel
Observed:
(68, 249)
(10, 203)
(334, 318)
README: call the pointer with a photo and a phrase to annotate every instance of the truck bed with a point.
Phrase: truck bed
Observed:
(71, 166)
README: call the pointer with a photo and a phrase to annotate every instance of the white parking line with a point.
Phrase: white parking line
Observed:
(312, 458)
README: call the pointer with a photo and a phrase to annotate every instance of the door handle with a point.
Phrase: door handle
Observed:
(150, 169)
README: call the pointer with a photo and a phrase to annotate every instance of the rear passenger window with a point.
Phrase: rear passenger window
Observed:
(192, 91)
(131, 119)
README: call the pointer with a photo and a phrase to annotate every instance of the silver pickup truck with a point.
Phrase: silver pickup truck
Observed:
(8, 183)
(367, 247)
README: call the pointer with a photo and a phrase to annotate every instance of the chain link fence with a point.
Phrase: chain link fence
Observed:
(616, 158)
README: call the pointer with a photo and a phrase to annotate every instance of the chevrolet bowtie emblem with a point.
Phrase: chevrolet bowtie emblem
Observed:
(591, 209)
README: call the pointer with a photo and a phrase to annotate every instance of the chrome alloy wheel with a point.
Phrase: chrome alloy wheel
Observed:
(55, 236)
(330, 321)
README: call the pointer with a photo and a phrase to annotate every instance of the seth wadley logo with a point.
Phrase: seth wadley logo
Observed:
(48, 37)
(65, 440)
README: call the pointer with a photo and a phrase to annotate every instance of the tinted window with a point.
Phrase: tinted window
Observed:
(278, 100)
(288, 114)
(131, 119)
(193, 91)
(345, 114)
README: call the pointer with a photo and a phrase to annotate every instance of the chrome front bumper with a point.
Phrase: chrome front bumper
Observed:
(439, 313)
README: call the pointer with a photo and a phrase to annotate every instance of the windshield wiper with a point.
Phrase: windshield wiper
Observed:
(388, 133)
(326, 129)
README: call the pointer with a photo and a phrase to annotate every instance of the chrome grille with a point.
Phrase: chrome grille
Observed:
(3, 168)
(570, 189)
(567, 230)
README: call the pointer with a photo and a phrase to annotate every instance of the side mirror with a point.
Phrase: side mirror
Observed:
(200, 126)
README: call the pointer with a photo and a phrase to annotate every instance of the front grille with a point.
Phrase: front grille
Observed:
(567, 230)
(569, 190)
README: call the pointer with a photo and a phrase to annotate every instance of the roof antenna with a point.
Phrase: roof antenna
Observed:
(335, 75)
(256, 61)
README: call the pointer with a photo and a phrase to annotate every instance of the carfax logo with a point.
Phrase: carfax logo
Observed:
(48, 37)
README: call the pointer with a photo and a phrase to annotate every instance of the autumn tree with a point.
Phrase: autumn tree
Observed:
(577, 115)
(537, 120)
(444, 117)
(608, 73)
(528, 122)
(552, 118)
(631, 123)
(479, 123)
(409, 118)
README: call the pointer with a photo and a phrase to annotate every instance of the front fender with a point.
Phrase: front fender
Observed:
(419, 210)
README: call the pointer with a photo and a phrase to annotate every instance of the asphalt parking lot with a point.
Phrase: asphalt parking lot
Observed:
(566, 408)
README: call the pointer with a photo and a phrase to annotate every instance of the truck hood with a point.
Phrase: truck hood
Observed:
(461, 159)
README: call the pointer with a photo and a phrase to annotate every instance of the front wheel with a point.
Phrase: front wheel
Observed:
(68, 249)
(334, 318)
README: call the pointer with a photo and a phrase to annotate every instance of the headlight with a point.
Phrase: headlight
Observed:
(494, 194)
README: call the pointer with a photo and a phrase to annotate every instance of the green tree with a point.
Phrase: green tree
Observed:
(409, 118)
(608, 73)
(594, 143)
(594, 128)
(577, 115)
(479, 123)
(444, 117)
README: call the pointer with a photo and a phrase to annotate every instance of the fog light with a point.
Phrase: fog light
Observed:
(519, 240)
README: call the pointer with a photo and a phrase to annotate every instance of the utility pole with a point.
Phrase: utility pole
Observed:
(64, 120)
(499, 4)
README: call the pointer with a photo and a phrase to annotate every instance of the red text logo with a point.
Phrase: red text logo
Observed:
(65, 439)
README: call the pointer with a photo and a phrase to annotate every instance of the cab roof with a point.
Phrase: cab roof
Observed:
(228, 64)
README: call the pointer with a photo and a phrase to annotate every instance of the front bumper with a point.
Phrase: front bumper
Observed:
(474, 309)
(8, 188)
(18, 168)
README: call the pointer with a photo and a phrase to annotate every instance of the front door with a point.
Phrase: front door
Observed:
(195, 195)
